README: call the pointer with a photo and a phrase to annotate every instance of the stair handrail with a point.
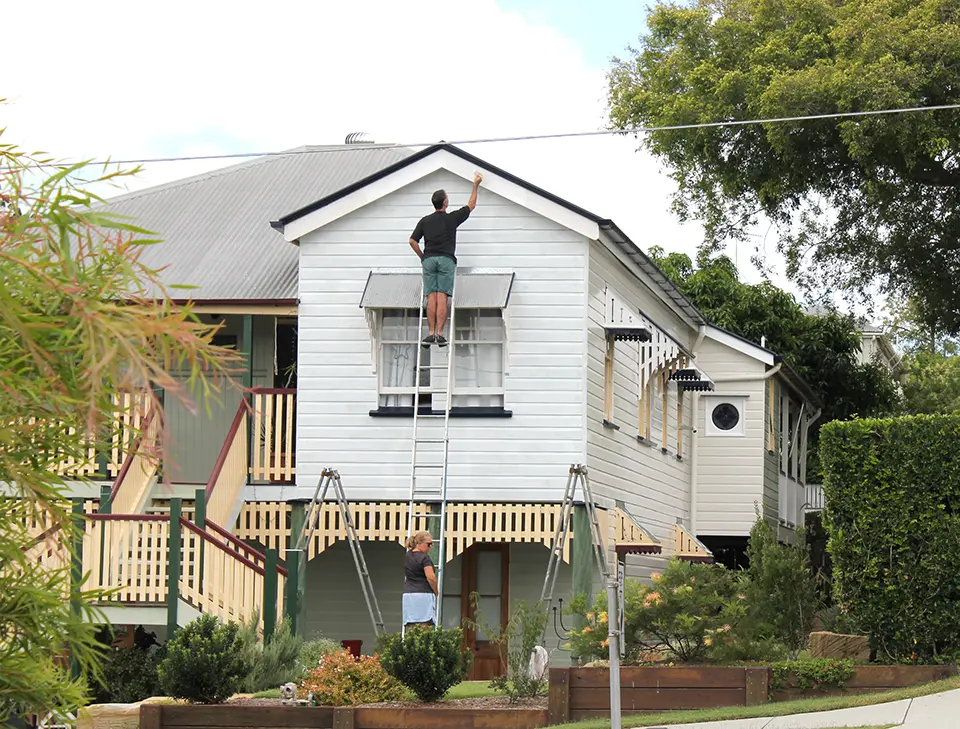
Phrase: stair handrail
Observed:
(132, 454)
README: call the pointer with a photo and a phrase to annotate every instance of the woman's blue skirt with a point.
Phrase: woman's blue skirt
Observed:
(419, 607)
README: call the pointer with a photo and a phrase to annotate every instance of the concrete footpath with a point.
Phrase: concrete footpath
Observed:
(938, 711)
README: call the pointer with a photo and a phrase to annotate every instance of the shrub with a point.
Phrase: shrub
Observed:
(343, 680)
(687, 611)
(428, 662)
(205, 661)
(893, 518)
(516, 642)
(273, 663)
(313, 650)
(781, 591)
(815, 673)
(129, 675)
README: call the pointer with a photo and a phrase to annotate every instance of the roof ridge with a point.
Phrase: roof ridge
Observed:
(219, 171)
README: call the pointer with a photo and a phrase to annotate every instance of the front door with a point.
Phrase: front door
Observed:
(482, 569)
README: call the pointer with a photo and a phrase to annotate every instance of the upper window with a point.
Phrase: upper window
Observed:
(477, 348)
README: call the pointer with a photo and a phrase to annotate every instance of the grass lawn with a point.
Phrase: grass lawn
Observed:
(780, 708)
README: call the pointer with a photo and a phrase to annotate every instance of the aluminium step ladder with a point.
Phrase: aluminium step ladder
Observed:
(577, 475)
(331, 477)
(428, 478)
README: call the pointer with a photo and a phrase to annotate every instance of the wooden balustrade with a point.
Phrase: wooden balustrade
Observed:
(128, 417)
(127, 554)
(274, 434)
(132, 487)
(230, 471)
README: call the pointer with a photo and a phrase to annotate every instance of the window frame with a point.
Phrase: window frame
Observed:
(427, 390)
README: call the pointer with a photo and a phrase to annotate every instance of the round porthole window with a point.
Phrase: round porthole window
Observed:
(725, 416)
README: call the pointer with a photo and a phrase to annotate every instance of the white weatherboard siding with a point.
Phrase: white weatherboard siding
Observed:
(771, 461)
(523, 458)
(655, 487)
(731, 468)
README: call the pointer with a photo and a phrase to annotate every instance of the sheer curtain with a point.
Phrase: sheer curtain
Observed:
(398, 359)
(479, 358)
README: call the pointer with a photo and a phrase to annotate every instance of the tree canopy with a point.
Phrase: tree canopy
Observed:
(823, 348)
(858, 202)
(81, 319)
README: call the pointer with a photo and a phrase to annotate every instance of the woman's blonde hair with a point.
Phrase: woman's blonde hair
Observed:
(417, 539)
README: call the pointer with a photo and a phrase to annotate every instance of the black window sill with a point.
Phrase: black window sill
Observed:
(608, 424)
(407, 412)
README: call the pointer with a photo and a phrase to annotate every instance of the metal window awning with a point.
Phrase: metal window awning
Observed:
(631, 537)
(688, 548)
(692, 378)
(399, 288)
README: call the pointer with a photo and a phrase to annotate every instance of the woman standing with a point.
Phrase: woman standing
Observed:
(419, 582)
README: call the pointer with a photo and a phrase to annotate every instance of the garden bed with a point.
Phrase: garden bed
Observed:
(583, 693)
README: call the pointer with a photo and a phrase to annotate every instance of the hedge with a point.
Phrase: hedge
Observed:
(892, 488)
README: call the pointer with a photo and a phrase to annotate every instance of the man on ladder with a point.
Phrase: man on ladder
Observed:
(439, 259)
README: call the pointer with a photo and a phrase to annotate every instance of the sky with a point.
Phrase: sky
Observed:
(122, 80)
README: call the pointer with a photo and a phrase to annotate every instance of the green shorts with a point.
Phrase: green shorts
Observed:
(438, 274)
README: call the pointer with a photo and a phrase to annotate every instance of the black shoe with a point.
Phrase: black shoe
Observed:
(440, 340)
(428, 340)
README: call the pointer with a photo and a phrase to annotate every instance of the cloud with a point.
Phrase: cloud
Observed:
(152, 79)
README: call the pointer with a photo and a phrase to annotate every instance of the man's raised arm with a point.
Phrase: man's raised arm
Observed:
(472, 202)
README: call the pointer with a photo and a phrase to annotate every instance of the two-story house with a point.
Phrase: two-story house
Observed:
(570, 347)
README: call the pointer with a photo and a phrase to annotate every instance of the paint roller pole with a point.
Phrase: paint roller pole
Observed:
(613, 634)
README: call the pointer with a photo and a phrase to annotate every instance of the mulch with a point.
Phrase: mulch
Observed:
(480, 702)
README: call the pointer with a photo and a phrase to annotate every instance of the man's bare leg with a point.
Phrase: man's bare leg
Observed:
(441, 311)
(432, 312)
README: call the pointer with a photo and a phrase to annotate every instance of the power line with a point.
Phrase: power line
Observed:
(523, 138)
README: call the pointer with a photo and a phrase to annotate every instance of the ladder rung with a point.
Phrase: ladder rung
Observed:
(428, 465)
(430, 440)
(427, 516)
(434, 367)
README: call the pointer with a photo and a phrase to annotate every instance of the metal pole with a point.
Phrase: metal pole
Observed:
(613, 626)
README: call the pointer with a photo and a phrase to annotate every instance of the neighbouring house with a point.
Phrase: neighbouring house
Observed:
(571, 347)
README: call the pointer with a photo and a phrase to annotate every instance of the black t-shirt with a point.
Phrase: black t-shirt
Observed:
(439, 231)
(414, 578)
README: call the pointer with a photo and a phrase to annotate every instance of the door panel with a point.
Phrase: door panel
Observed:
(486, 572)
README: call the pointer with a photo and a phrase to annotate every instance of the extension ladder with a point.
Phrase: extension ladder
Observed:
(428, 478)
(331, 477)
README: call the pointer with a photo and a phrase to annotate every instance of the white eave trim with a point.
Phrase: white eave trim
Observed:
(740, 345)
(441, 159)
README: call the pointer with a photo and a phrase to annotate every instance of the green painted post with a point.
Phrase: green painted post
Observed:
(297, 576)
(269, 594)
(200, 519)
(106, 507)
(292, 595)
(247, 347)
(175, 545)
(76, 571)
(582, 556)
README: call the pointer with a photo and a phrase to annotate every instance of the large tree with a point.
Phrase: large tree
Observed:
(80, 320)
(823, 348)
(858, 202)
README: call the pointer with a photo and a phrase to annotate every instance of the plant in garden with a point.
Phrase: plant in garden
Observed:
(344, 680)
(813, 673)
(274, 662)
(129, 675)
(781, 590)
(81, 319)
(313, 650)
(893, 490)
(515, 641)
(428, 662)
(205, 661)
(688, 611)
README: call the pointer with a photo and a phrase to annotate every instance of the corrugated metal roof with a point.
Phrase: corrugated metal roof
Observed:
(475, 288)
(216, 226)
